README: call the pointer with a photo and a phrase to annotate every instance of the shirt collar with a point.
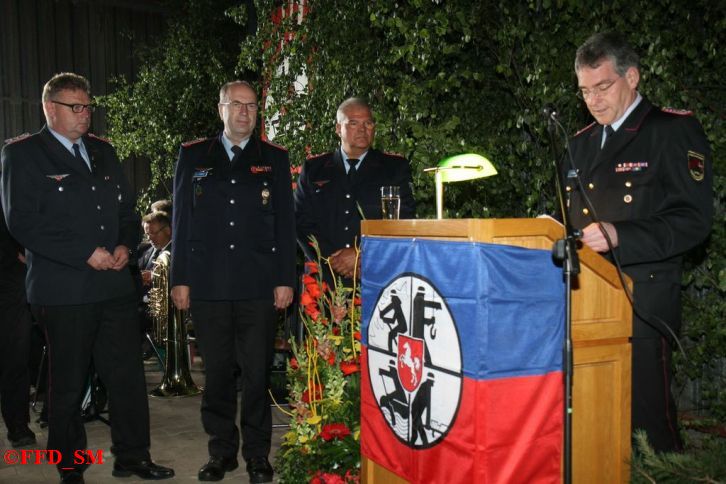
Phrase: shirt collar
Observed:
(228, 145)
(68, 144)
(627, 112)
(345, 157)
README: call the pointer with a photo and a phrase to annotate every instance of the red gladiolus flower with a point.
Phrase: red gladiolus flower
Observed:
(312, 311)
(349, 367)
(309, 280)
(321, 477)
(311, 267)
(294, 186)
(357, 301)
(294, 364)
(317, 393)
(356, 335)
(331, 358)
(306, 299)
(336, 330)
(334, 431)
(314, 290)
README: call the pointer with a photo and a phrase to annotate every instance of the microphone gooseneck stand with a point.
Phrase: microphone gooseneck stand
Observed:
(565, 251)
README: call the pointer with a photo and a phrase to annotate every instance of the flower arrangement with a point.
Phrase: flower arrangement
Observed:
(323, 374)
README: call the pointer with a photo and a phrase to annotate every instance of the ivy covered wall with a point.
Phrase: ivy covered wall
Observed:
(446, 77)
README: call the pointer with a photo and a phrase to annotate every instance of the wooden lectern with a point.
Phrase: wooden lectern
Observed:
(601, 326)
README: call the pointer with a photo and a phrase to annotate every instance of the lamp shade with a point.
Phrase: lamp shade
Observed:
(468, 166)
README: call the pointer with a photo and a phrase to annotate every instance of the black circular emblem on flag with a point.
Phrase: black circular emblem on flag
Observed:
(415, 361)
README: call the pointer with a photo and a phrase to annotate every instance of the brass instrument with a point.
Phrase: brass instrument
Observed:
(170, 329)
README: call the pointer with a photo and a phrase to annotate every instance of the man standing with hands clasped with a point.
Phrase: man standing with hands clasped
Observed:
(233, 265)
(647, 173)
(67, 202)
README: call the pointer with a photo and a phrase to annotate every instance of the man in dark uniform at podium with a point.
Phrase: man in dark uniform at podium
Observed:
(66, 200)
(647, 172)
(337, 190)
(233, 264)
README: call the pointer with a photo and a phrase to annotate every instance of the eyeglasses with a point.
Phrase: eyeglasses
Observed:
(598, 91)
(237, 106)
(151, 234)
(77, 108)
(365, 124)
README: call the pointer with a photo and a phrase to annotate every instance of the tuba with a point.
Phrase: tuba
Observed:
(170, 329)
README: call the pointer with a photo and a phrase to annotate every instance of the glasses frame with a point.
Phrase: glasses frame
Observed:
(237, 106)
(598, 91)
(77, 108)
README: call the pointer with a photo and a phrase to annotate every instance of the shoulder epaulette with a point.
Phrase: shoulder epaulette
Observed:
(585, 128)
(105, 140)
(17, 138)
(274, 145)
(319, 155)
(397, 155)
(678, 112)
(187, 144)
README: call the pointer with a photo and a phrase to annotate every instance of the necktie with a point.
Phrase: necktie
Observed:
(77, 153)
(609, 132)
(352, 171)
(237, 153)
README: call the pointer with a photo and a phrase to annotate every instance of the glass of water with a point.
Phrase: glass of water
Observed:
(390, 202)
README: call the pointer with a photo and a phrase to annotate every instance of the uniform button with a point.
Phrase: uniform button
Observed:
(274, 249)
(347, 212)
(585, 211)
(628, 198)
(60, 189)
(231, 246)
(231, 200)
(590, 186)
(98, 207)
(347, 195)
(103, 227)
(347, 246)
(568, 188)
(93, 188)
(264, 184)
(652, 276)
(628, 184)
(345, 228)
(233, 181)
(231, 223)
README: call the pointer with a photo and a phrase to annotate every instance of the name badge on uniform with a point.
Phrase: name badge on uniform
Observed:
(57, 177)
(255, 169)
(265, 196)
(201, 173)
(631, 167)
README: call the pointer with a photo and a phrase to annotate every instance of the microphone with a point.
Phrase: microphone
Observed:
(549, 111)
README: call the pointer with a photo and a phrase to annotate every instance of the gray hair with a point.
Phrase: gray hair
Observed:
(607, 46)
(65, 81)
(349, 103)
(224, 89)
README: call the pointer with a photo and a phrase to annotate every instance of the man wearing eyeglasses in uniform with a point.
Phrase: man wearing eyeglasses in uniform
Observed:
(233, 266)
(336, 190)
(67, 202)
(647, 172)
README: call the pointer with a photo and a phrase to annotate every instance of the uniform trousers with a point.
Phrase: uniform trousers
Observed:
(15, 330)
(106, 332)
(230, 334)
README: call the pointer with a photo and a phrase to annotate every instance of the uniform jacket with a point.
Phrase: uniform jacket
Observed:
(60, 212)
(234, 227)
(329, 208)
(653, 181)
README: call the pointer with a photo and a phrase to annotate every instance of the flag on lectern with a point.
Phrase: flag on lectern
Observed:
(462, 361)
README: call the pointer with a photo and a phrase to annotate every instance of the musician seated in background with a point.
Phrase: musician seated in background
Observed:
(157, 229)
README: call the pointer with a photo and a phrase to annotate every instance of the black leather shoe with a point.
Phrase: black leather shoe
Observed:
(21, 438)
(259, 469)
(72, 477)
(144, 469)
(216, 467)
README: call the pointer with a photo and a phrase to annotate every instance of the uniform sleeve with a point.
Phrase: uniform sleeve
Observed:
(129, 223)
(181, 223)
(284, 224)
(21, 201)
(306, 220)
(683, 218)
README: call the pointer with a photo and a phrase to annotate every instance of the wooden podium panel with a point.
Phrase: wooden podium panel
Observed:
(601, 326)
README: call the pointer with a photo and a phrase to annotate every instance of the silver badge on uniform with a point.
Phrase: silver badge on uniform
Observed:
(265, 196)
